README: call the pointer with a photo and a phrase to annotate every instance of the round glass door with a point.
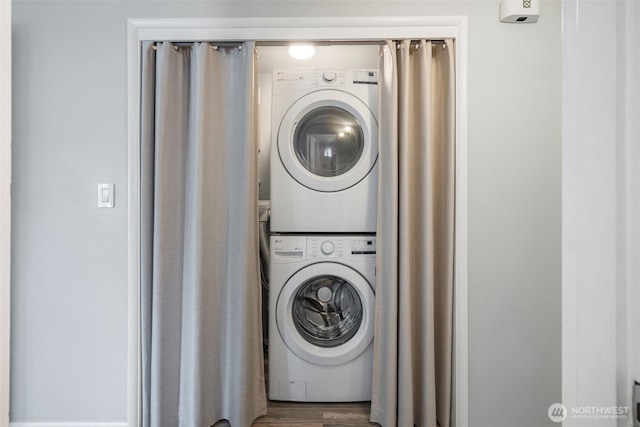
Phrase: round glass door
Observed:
(327, 311)
(328, 140)
(324, 313)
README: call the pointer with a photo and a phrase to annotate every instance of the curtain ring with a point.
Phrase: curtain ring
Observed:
(214, 47)
(240, 47)
(176, 47)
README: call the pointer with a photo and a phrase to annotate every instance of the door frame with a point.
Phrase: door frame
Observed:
(290, 30)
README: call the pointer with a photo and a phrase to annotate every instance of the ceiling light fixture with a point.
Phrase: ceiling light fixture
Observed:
(301, 51)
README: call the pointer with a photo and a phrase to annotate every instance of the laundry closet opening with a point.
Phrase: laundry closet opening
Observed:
(318, 176)
(328, 276)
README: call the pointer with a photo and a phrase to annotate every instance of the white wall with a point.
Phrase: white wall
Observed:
(589, 206)
(601, 237)
(69, 258)
(628, 206)
(631, 13)
(5, 206)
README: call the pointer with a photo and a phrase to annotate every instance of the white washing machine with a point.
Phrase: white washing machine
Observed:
(321, 311)
(324, 151)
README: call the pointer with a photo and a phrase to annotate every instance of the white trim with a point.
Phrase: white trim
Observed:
(629, 186)
(293, 29)
(5, 209)
(287, 29)
(590, 221)
(632, 92)
(67, 424)
(133, 221)
(461, 279)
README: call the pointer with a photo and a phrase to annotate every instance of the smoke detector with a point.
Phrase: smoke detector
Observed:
(519, 11)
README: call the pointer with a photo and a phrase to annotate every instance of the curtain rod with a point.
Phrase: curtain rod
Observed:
(214, 45)
(283, 43)
(336, 42)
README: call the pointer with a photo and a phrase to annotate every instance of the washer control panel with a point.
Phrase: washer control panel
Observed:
(294, 248)
(340, 247)
(363, 246)
(325, 247)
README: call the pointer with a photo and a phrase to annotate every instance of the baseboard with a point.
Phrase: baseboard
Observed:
(67, 424)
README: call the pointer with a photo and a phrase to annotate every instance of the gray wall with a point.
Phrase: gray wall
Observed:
(69, 258)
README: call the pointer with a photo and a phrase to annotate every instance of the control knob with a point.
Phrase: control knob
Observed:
(329, 76)
(327, 247)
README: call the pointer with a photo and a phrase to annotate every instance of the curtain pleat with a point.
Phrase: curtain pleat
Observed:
(416, 218)
(201, 331)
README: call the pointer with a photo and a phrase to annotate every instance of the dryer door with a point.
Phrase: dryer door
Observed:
(328, 140)
(325, 313)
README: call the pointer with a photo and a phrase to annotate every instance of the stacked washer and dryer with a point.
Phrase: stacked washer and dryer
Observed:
(324, 177)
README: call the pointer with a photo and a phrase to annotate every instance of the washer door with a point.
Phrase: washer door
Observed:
(328, 140)
(325, 313)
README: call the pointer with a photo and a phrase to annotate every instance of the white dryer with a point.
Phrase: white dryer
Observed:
(324, 151)
(321, 311)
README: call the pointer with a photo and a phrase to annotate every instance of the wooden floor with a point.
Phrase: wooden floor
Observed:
(294, 414)
(303, 414)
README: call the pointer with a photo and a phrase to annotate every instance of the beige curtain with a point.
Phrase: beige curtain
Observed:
(201, 332)
(415, 260)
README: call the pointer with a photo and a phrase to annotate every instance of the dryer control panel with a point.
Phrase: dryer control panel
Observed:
(306, 78)
(303, 79)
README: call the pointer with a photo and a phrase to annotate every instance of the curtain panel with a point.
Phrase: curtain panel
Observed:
(202, 357)
(415, 259)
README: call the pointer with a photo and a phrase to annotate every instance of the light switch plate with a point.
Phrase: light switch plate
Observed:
(106, 195)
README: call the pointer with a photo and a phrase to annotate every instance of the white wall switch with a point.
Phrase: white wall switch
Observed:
(106, 195)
